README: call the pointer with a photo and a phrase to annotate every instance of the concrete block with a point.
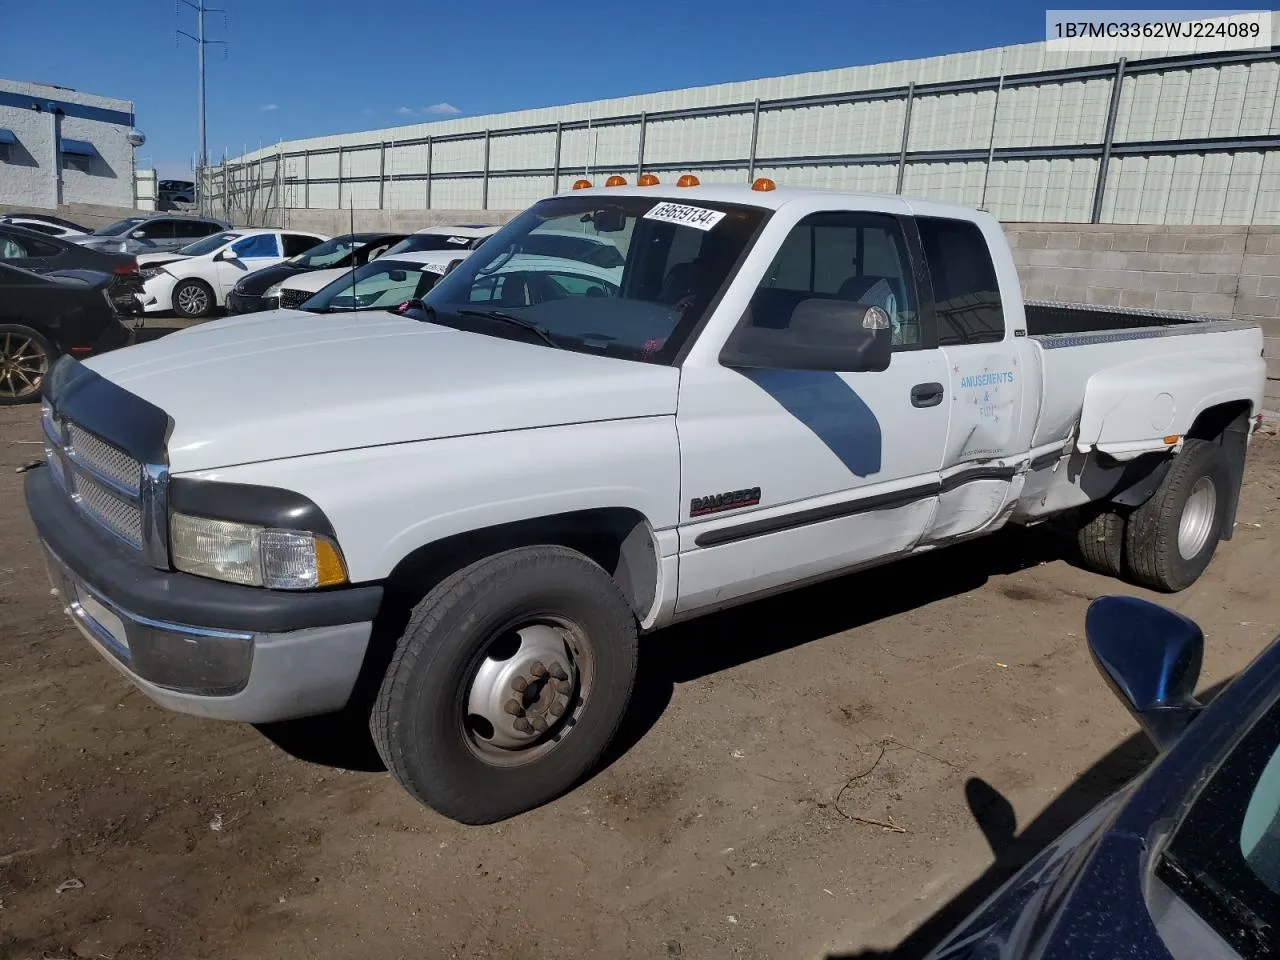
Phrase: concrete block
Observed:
(1138, 299)
(1257, 306)
(1273, 243)
(1103, 296)
(1095, 241)
(1271, 331)
(1212, 304)
(1262, 265)
(1178, 302)
(1130, 241)
(1142, 261)
(1256, 242)
(1203, 282)
(1218, 262)
(1030, 240)
(1264, 286)
(1044, 258)
(1167, 243)
(1207, 243)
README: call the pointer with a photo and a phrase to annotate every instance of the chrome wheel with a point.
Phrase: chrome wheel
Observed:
(1197, 518)
(23, 364)
(527, 692)
(193, 300)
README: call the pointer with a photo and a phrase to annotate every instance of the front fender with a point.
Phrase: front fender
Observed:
(386, 502)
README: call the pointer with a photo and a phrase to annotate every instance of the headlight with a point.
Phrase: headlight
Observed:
(253, 555)
(272, 291)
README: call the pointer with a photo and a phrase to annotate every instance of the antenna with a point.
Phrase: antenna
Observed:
(200, 41)
(351, 210)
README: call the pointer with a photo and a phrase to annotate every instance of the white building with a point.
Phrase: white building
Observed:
(59, 145)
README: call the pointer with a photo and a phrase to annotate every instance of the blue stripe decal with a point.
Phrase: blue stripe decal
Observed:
(26, 102)
(829, 407)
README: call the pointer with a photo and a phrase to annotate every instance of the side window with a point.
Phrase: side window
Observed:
(258, 246)
(160, 230)
(295, 243)
(203, 228)
(965, 292)
(12, 247)
(854, 257)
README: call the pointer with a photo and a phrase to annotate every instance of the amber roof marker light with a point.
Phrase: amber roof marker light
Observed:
(616, 181)
(688, 180)
(764, 184)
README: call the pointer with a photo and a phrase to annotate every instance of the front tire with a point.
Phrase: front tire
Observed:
(1171, 538)
(508, 684)
(193, 299)
(25, 358)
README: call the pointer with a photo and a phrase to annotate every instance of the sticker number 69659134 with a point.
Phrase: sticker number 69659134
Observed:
(700, 218)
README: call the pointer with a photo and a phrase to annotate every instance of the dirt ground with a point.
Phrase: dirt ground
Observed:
(947, 695)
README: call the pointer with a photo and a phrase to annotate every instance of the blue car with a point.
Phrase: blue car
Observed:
(1183, 862)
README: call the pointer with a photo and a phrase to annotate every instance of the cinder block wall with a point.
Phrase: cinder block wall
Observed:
(1219, 271)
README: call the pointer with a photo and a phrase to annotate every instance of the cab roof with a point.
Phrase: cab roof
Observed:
(744, 195)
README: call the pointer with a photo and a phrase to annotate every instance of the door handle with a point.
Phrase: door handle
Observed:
(927, 394)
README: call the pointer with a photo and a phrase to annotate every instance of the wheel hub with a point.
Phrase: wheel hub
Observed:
(515, 700)
(1196, 522)
(22, 365)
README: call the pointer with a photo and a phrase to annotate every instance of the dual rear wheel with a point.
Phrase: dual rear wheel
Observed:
(1166, 543)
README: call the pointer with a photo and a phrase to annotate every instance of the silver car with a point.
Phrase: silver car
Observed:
(150, 234)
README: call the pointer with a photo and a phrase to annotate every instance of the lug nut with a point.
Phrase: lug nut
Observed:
(514, 708)
(539, 724)
(519, 684)
(524, 726)
(538, 670)
(564, 687)
(557, 709)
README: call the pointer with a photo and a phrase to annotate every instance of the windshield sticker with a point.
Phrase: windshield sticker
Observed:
(433, 268)
(463, 241)
(700, 218)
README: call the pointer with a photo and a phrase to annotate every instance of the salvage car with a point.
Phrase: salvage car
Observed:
(1184, 861)
(47, 315)
(151, 234)
(261, 289)
(196, 280)
(533, 467)
(42, 253)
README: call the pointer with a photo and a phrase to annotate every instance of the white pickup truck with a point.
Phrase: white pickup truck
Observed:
(459, 515)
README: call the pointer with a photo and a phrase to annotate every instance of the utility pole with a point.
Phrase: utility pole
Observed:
(200, 41)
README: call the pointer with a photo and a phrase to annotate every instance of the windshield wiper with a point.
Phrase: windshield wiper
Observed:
(1259, 930)
(542, 332)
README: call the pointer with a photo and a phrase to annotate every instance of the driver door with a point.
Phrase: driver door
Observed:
(245, 256)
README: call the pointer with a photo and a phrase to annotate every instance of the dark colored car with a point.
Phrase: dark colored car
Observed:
(1185, 860)
(254, 292)
(45, 315)
(34, 251)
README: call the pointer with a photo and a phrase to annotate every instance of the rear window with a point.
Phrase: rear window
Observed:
(965, 292)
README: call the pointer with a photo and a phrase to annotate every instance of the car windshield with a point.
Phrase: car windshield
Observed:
(332, 253)
(418, 242)
(207, 244)
(671, 260)
(381, 284)
(1224, 858)
(119, 227)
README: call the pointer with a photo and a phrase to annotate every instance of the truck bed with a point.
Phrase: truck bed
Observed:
(1046, 318)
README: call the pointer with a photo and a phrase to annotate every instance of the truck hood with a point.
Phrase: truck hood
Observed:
(286, 383)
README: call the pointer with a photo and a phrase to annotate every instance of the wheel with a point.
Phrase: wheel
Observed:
(1100, 539)
(193, 299)
(1170, 539)
(508, 683)
(25, 358)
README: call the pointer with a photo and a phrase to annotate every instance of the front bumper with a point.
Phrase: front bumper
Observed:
(201, 646)
(248, 303)
(157, 293)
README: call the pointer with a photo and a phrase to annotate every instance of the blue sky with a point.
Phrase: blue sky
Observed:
(298, 68)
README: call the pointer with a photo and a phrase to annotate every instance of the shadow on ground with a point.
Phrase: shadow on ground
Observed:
(995, 817)
(719, 641)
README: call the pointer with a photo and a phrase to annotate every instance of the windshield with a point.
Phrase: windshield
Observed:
(332, 253)
(207, 244)
(119, 227)
(671, 260)
(381, 284)
(418, 242)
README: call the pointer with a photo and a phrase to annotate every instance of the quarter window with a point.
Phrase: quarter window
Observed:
(295, 243)
(965, 292)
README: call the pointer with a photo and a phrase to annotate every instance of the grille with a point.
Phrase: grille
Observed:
(292, 299)
(122, 518)
(103, 481)
(104, 458)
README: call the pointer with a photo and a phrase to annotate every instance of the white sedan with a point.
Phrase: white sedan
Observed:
(195, 280)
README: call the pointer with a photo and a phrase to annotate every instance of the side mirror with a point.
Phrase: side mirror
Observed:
(453, 265)
(225, 254)
(138, 235)
(823, 335)
(1150, 657)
